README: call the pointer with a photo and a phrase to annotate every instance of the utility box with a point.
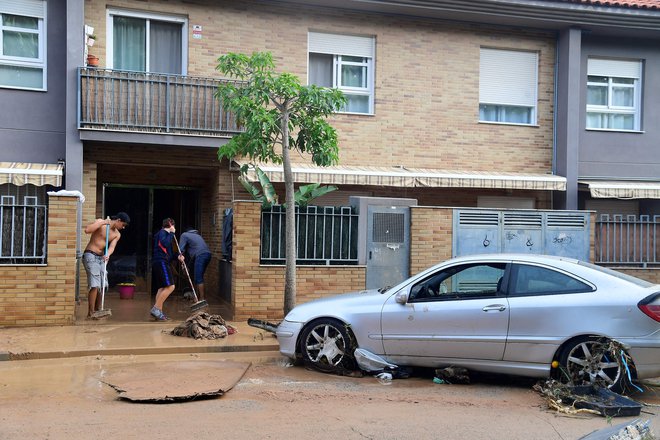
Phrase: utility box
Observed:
(383, 239)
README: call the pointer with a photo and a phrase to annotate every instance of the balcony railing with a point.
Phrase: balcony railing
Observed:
(152, 103)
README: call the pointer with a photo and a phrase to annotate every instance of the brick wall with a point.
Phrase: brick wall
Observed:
(45, 295)
(652, 275)
(258, 290)
(430, 236)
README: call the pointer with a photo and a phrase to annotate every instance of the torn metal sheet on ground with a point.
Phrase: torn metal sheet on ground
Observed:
(177, 381)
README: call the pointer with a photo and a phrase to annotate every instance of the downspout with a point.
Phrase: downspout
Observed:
(554, 117)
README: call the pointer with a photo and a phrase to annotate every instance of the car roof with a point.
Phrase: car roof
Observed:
(516, 256)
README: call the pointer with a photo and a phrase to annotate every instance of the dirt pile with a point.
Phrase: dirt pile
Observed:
(204, 326)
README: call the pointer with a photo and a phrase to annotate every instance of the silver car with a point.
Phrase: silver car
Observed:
(528, 315)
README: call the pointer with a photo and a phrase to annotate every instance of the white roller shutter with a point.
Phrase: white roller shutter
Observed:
(28, 8)
(614, 68)
(333, 44)
(508, 77)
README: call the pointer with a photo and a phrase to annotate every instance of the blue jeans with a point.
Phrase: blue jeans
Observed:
(201, 262)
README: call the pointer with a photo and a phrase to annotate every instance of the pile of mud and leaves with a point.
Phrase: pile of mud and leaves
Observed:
(203, 325)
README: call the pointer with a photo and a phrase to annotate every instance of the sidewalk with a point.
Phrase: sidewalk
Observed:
(20, 343)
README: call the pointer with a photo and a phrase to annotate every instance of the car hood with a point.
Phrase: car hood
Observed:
(336, 305)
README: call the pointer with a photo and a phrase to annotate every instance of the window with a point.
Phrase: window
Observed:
(535, 280)
(508, 86)
(465, 281)
(147, 42)
(613, 94)
(22, 44)
(346, 63)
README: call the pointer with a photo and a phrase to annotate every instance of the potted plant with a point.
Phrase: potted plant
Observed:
(92, 60)
(91, 39)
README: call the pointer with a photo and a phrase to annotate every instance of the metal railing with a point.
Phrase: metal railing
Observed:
(23, 237)
(628, 240)
(325, 235)
(152, 103)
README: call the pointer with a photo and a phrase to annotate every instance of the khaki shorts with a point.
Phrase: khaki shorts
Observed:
(94, 267)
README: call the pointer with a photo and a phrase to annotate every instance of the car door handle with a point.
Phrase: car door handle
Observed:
(496, 307)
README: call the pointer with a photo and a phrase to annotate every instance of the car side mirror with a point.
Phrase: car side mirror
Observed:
(401, 297)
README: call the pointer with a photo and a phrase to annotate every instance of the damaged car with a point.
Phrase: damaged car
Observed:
(527, 315)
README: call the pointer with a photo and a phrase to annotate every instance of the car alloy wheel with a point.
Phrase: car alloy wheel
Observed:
(591, 361)
(326, 344)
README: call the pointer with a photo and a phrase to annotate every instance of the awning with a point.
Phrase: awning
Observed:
(619, 189)
(39, 174)
(411, 177)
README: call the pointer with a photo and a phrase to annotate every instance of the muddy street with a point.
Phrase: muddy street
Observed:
(67, 399)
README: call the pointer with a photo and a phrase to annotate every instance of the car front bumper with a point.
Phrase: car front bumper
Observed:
(287, 335)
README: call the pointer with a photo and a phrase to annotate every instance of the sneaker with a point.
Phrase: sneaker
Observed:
(158, 314)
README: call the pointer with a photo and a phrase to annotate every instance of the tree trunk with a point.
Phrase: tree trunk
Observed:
(290, 231)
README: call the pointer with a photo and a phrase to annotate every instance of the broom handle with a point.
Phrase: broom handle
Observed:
(185, 268)
(105, 266)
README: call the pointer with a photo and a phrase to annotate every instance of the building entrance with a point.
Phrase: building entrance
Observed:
(147, 206)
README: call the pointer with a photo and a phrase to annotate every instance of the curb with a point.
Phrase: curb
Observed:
(9, 356)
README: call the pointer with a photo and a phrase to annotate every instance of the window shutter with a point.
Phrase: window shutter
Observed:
(508, 77)
(28, 8)
(614, 68)
(341, 45)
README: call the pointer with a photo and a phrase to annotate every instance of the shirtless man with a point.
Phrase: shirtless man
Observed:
(94, 255)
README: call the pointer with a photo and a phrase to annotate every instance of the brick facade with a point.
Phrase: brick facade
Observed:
(430, 236)
(45, 295)
(426, 79)
(258, 290)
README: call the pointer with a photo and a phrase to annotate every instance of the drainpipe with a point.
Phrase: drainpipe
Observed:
(554, 118)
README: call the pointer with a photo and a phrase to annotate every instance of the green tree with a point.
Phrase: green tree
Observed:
(276, 110)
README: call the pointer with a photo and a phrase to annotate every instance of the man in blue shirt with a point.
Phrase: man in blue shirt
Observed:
(198, 251)
(163, 255)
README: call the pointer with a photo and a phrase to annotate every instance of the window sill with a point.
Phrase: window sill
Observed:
(355, 114)
(616, 130)
(509, 123)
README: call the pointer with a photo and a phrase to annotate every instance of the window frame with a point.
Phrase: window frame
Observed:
(31, 63)
(448, 273)
(515, 271)
(148, 16)
(501, 106)
(609, 109)
(338, 63)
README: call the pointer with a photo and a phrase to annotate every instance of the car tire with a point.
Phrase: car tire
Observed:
(327, 345)
(591, 360)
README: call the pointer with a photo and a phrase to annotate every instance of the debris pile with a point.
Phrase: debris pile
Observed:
(452, 375)
(204, 326)
(587, 399)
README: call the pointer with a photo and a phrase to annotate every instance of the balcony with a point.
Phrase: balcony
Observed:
(151, 104)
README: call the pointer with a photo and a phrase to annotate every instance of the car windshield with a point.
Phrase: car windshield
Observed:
(620, 275)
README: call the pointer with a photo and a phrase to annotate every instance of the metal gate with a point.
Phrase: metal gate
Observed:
(486, 231)
(388, 245)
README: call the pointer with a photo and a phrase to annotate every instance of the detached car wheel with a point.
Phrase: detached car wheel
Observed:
(327, 345)
(594, 361)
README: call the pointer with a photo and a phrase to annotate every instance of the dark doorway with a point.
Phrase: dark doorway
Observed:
(147, 206)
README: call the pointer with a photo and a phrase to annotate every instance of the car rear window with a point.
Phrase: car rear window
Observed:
(638, 281)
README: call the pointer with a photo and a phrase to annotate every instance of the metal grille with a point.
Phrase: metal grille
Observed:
(151, 102)
(628, 240)
(388, 228)
(23, 239)
(325, 235)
